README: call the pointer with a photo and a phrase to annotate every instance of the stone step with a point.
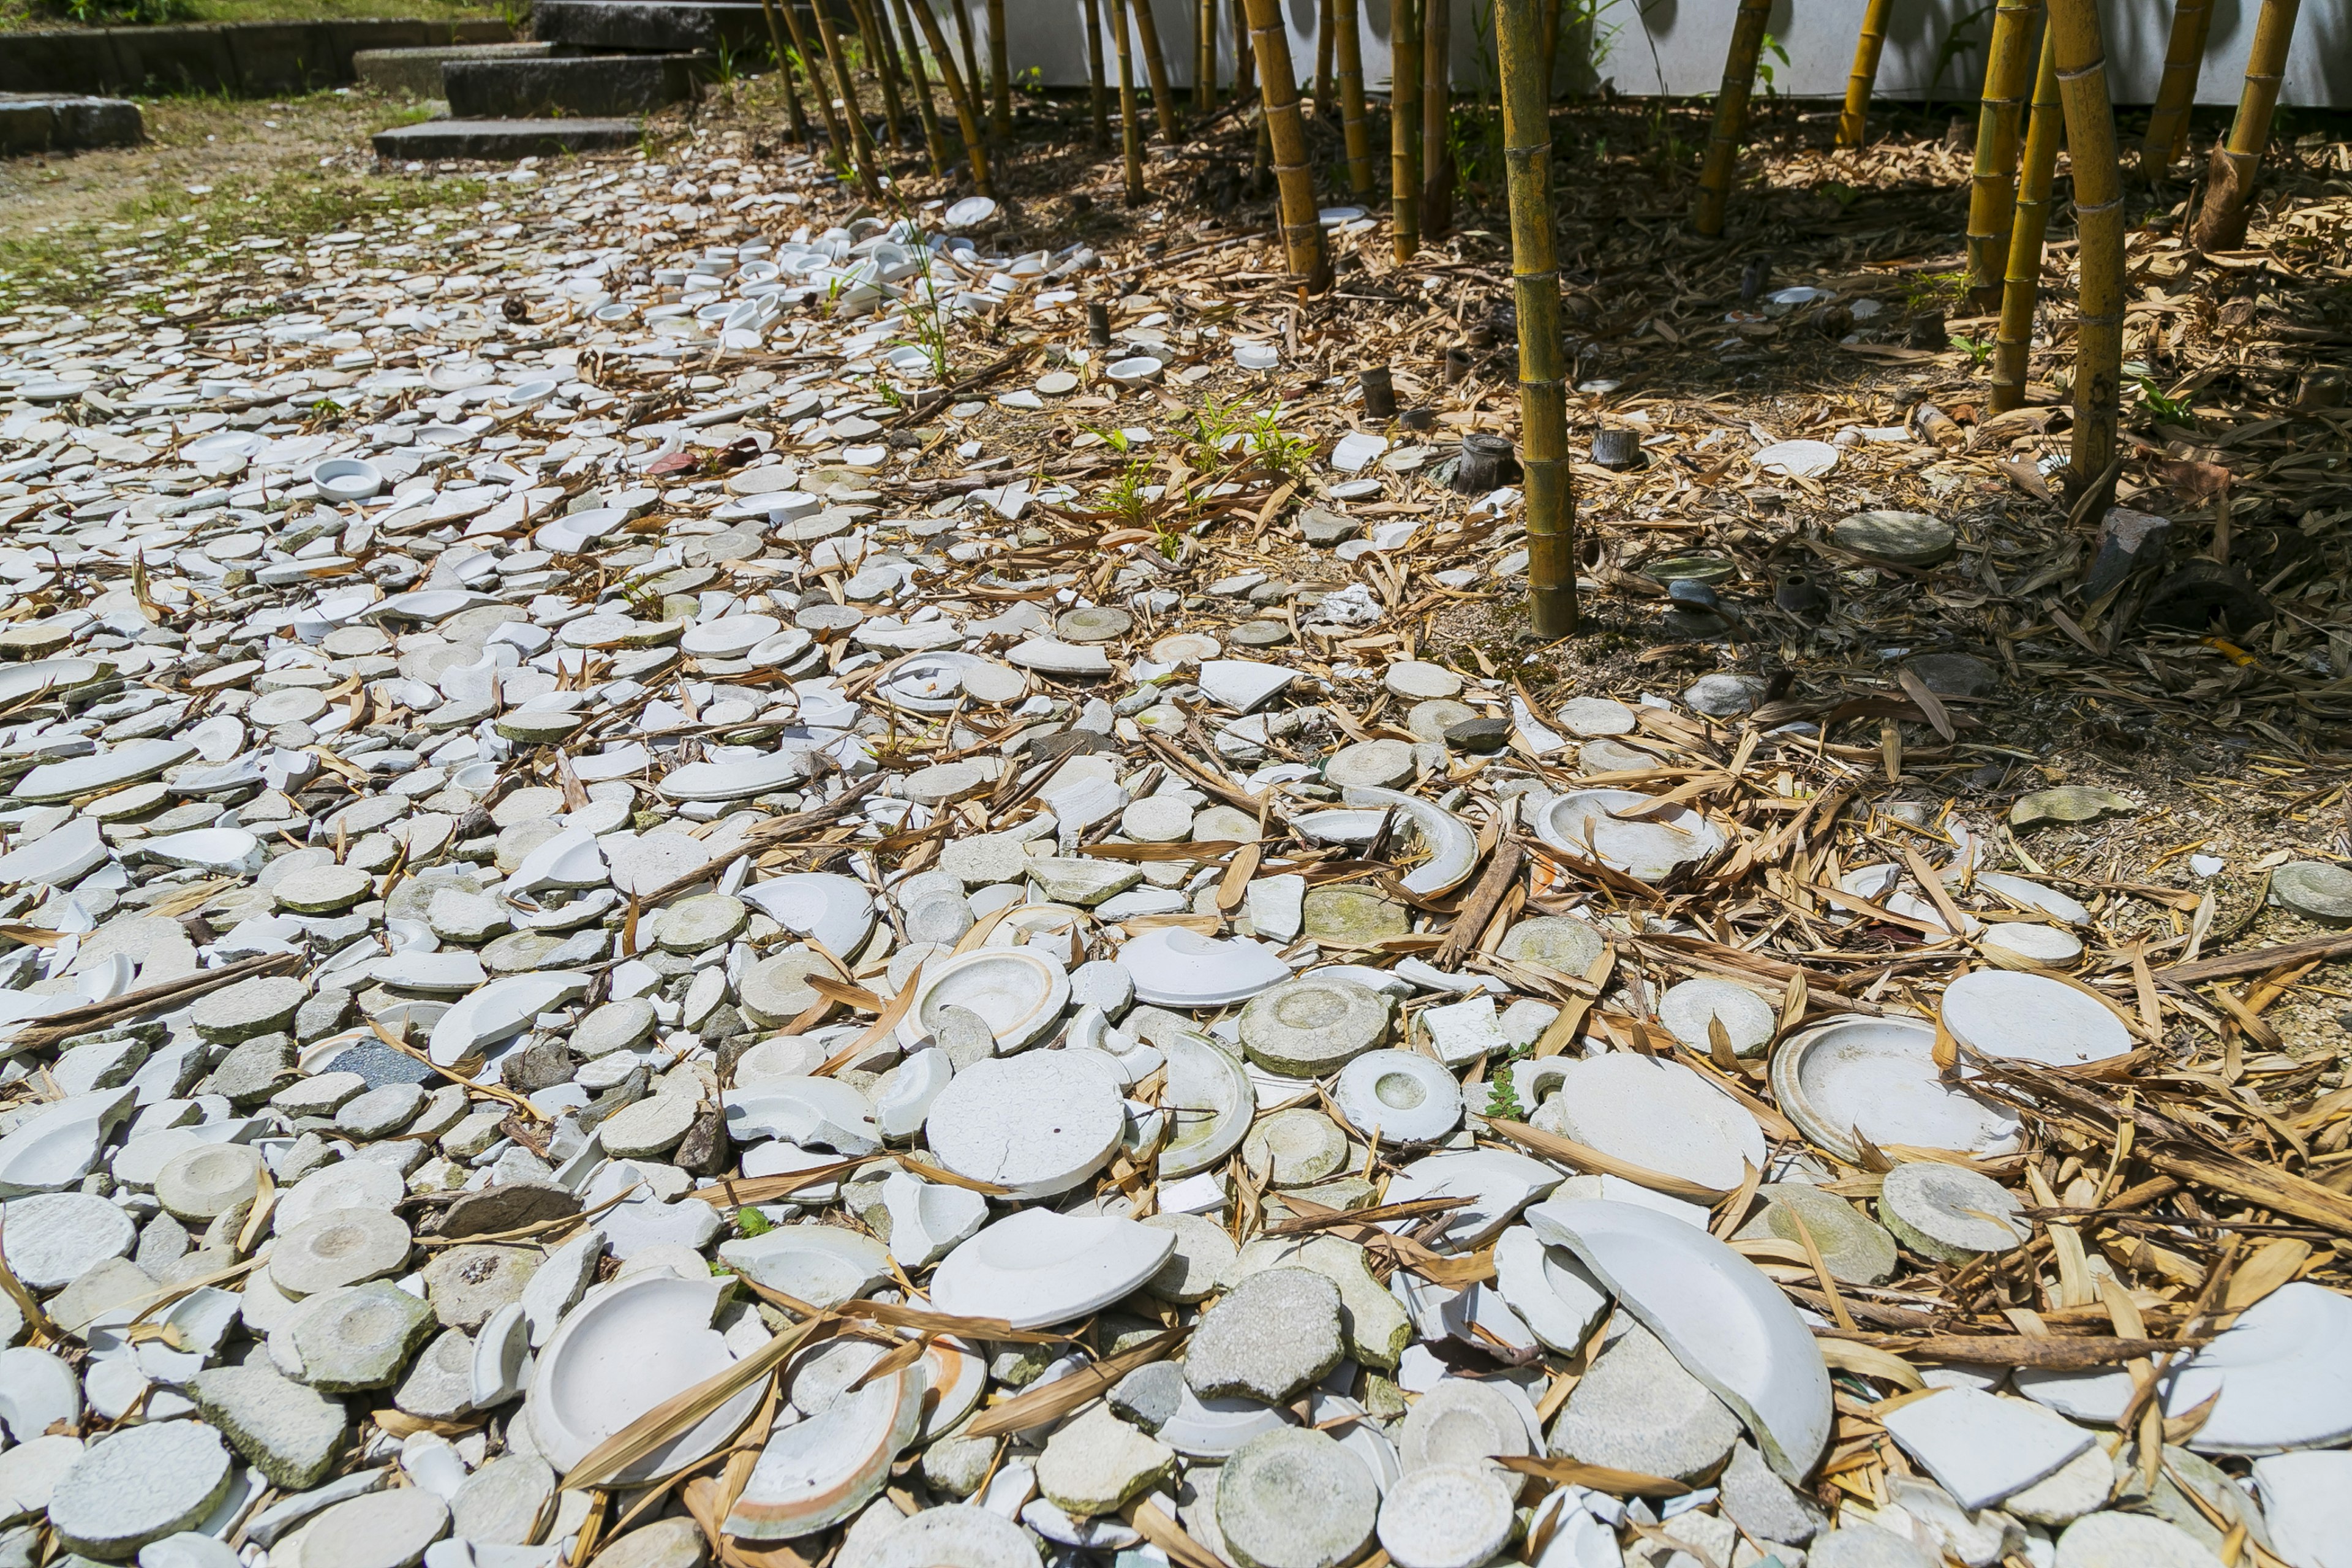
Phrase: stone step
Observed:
(417, 73)
(504, 140)
(650, 26)
(59, 122)
(591, 85)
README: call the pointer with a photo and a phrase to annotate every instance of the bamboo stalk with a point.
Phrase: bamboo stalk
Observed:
(785, 70)
(999, 73)
(2175, 92)
(1097, 95)
(960, 98)
(963, 40)
(934, 141)
(1551, 9)
(1349, 43)
(1204, 57)
(861, 144)
(1302, 232)
(2013, 342)
(1155, 71)
(2099, 231)
(1404, 127)
(1244, 59)
(1325, 29)
(1730, 116)
(877, 49)
(1854, 121)
(1993, 193)
(817, 85)
(1436, 118)
(1131, 131)
(1535, 286)
(2230, 178)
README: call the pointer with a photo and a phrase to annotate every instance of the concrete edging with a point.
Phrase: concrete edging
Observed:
(250, 58)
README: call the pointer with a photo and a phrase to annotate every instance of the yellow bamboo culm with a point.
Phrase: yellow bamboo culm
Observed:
(1097, 95)
(1294, 175)
(1855, 119)
(934, 142)
(861, 144)
(2221, 222)
(878, 51)
(1130, 127)
(1730, 116)
(1352, 122)
(1992, 191)
(1155, 70)
(2013, 342)
(1534, 287)
(785, 72)
(1404, 127)
(2082, 69)
(817, 85)
(1204, 58)
(960, 98)
(999, 73)
(2176, 93)
(1324, 27)
(1437, 117)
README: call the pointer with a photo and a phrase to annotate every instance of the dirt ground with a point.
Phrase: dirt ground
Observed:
(2234, 740)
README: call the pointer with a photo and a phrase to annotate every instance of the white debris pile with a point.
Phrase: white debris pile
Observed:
(594, 969)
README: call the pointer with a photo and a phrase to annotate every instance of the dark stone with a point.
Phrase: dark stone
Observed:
(1953, 674)
(503, 141)
(1066, 744)
(417, 73)
(626, 1092)
(705, 1149)
(725, 1023)
(2127, 540)
(2202, 594)
(379, 1065)
(647, 24)
(1479, 734)
(543, 1065)
(507, 1207)
(1324, 527)
(254, 1071)
(58, 123)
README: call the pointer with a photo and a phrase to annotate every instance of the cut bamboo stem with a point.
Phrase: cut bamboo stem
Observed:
(1854, 121)
(2013, 342)
(1993, 190)
(818, 86)
(2099, 232)
(935, 140)
(1294, 175)
(960, 98)
(1730, 116)
(1325, 29)
(1131, 130)
(785, 70)
(1436, 118)
(999, 73)
(861, 144)
(1535, 287)
(1097, 95)
(1348, 41)
(1404, 127)
(2175, 92)
(2230, 178)
(1204, 58)
(877, 49)
(1155, 71)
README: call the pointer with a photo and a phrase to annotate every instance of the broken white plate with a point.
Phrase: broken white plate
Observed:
(715, 782)
(1550, 1288)
(1452, 848)
(1026, 1123)
(1878, 1076)
(1728, 1324)
(1174, 966)
(1400, 1096)
(623, 1350)
(1798, 459)
(1498, 1182)
(824, 1111)
(1037, 1268)
(1211, 1098)
(2031, 1017)
(62, 857)
(835, 910)
(499, 1011)
(1659, 1115)
(815, 1473)
(1018, 991)
(2308, 1504)
(1981, 1446)
(2283, 1371)
(1650, 848)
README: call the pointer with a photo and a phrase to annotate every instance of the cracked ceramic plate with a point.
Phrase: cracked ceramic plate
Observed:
(1587, 825)
(1878, 1077)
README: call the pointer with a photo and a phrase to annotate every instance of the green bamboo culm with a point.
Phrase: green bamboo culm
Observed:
(2175, 92)
(2013, 341)
(2099, 230)
(2221, 222)
(1730, 116)
(1854, 121)
(1404, 127)
(1992, 191)
(1534, 287)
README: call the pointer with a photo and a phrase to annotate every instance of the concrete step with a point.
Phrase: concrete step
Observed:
(590, 85)
(417, 73)
(648, 25)
(60, 122)
(504, 140)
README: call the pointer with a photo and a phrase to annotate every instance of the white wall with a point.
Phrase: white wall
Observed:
(1676, 47)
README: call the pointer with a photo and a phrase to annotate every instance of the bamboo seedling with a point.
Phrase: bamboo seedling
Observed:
(2221, 222)
(934, 140)
(2013, 340)
(1404, 127)
(1294, 175)
(1534, 287)
(1992, 191)
(960, 98)
(1730, 116)
(1359, 133)
(1130, 132)
(1097, 95)
(2099, 228)
(1854, 121)
(1155, 71)
(999, 73)
(2176, 91)
(1436, 118)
